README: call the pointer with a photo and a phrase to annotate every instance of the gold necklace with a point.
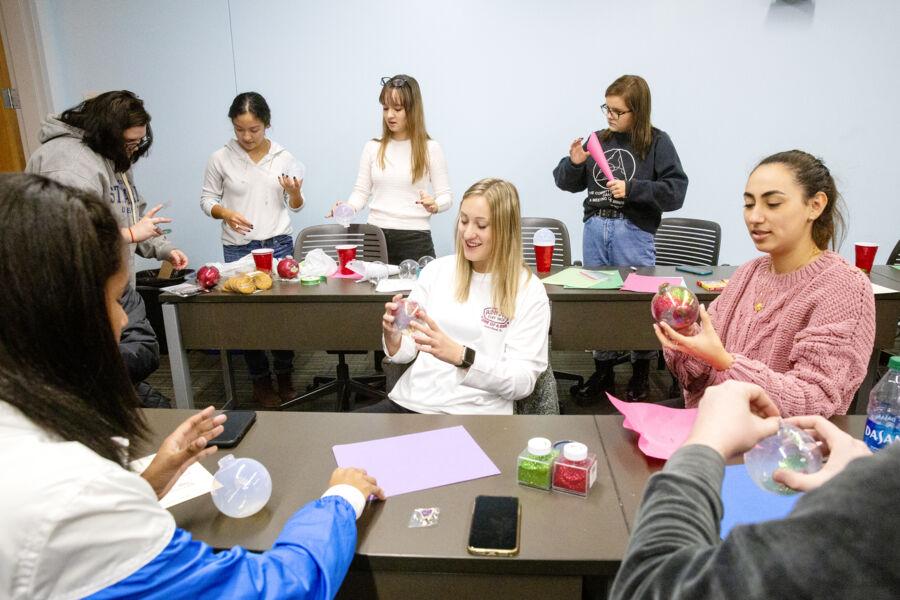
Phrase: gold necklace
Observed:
(758, 305)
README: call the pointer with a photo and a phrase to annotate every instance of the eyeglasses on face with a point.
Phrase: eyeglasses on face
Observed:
(612, 112)
(396, 82)
(136, 144)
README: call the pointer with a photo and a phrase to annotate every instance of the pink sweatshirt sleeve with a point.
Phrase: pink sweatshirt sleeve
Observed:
(694, 375)
(829, 356)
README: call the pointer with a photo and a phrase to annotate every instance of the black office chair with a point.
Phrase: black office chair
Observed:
(371, 246)
(562, 257)
(688, 242)
(894, 258)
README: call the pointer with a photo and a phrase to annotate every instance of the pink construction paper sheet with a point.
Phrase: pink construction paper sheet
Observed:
(599, 156)
(338, 275)
(419, 461)
(648, 283)
(661, 430)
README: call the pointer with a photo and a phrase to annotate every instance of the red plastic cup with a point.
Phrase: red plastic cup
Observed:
(544, 257)
(865, 255)
(346, 253)
(263, 258)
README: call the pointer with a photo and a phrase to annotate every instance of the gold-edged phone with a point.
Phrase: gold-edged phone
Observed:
(496, 521)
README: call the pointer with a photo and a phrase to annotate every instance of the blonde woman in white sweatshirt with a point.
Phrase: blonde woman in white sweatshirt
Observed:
(481, 340)
(252, 184)
(396, 170)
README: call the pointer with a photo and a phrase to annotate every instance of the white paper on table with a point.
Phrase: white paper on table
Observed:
(395, 285)
(880, 289)
(194, 482)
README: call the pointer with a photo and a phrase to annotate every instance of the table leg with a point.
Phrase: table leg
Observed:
(228, 379)
(181, 374)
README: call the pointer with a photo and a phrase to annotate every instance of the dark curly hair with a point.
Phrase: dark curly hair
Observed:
(104, 119)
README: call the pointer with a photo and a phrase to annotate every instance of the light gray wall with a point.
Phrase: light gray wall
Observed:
(507, 85)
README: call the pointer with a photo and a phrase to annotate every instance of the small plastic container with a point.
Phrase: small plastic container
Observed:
(535, 463)
(243, 486)
(409, 269)
(343, 213)
(576, 470)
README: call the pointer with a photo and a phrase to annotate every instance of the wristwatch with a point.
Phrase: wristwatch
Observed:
(468, 358)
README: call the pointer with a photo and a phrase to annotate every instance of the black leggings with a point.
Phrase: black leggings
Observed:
(408, 243)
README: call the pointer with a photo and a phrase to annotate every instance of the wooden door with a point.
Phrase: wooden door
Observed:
(12, 158)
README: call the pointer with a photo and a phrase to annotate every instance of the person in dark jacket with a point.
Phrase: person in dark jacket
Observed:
(621, 215)
(841, 540)
(140, 350)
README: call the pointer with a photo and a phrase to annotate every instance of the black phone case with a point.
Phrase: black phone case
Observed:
(236, 425)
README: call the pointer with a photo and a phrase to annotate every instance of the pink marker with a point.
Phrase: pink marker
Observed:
(596, 152)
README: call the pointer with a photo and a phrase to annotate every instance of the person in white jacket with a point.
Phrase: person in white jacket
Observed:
(75, 521)
(396, 170)
(480, 339)
(252, 184)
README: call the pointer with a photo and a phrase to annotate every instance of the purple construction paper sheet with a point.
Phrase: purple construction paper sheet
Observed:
(418, 461)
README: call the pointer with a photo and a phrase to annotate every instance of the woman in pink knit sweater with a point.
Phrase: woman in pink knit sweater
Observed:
(799, 321)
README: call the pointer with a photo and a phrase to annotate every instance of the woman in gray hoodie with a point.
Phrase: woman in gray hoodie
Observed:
(92, 147)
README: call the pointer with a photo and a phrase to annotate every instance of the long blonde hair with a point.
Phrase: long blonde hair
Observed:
(411, 100)
(506, 262)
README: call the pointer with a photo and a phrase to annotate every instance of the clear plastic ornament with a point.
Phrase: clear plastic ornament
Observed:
(343, 213)
(405, 314)
(791, 448)
(423, 262)
(544, 237)
(243, 486)
(409, 269)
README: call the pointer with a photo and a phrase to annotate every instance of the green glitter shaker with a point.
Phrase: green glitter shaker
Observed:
(535, 462)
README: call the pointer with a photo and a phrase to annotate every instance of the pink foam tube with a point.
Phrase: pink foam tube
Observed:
(596, 152)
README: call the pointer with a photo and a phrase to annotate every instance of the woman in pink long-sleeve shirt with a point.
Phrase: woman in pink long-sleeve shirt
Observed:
(799, 321)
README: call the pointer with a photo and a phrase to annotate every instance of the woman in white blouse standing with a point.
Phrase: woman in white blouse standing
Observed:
(251, 184)
(396, 170)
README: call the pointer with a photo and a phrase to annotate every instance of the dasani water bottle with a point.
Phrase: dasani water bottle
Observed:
(883, 420)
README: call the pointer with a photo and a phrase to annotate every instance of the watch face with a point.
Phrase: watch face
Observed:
(469, 357)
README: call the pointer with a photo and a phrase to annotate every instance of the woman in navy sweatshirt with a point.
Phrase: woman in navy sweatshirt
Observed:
(621, 215)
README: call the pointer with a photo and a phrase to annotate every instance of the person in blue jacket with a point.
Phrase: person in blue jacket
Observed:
(621, 215)
(74, 520)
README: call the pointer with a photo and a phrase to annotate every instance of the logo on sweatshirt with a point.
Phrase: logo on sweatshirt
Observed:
(621, 163)
(494, 319)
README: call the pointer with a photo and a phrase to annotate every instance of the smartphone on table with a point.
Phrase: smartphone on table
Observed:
(496, 521)
(695, 269)
(236, 426)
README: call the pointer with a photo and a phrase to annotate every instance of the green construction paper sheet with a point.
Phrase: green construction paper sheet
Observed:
(573, 278)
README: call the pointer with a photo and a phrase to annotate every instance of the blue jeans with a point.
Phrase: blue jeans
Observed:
(257, 361)
(620, 243)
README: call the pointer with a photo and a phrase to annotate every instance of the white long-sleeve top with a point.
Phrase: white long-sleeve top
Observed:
(73, 523)
(393, 193)
(252, 189)
(509, 354)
